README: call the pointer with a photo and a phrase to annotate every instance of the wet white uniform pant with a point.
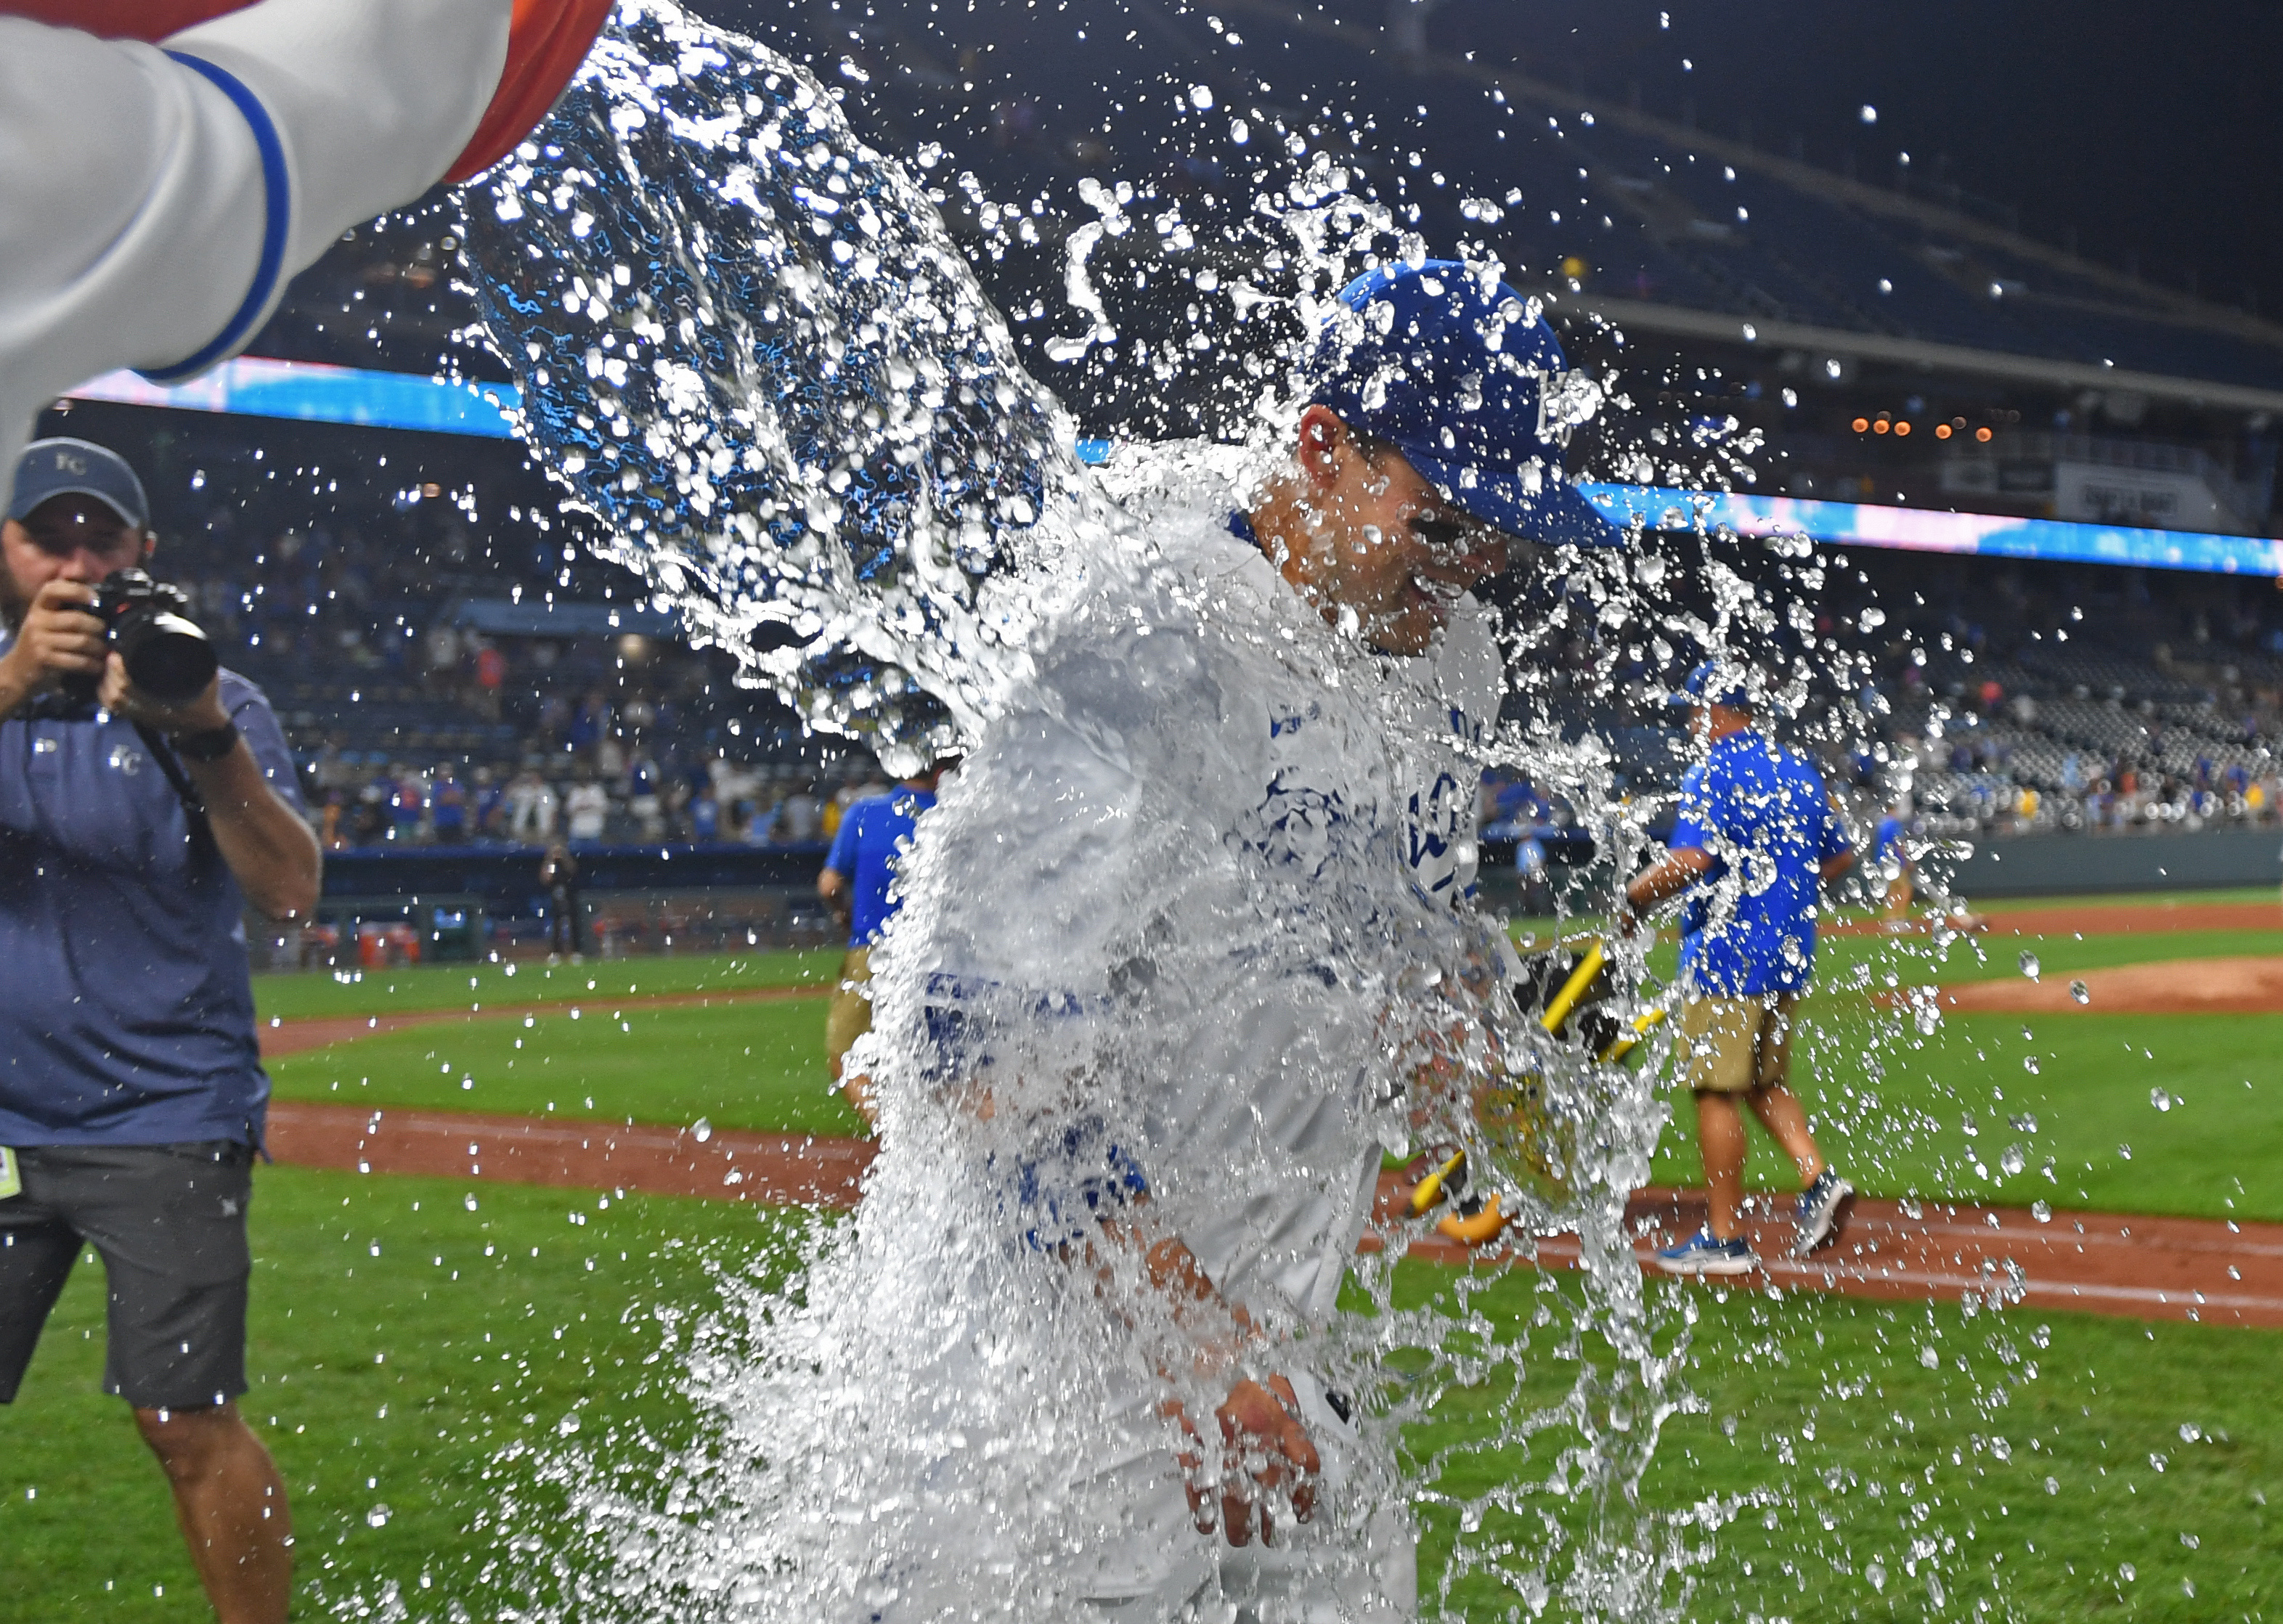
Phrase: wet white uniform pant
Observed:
(1334, 1569)
(1331, 1570)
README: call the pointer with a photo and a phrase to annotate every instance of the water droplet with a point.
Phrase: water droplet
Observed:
(2080, 992)
(2029, 1064)
(2190, 1432)
(2030, 964)
(2126, 1572)
(378, 1515)
(2158, 1097)
(701, 1130)
(2042, 1211)
(2124, 1152)
(1875, 1571)
(2012, 1162)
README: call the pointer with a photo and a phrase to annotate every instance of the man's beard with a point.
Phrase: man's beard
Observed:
(14, 603)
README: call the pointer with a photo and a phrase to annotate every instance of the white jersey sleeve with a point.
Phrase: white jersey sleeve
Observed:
(155, 200)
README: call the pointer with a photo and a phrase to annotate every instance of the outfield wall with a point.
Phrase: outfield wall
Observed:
(2059, 864)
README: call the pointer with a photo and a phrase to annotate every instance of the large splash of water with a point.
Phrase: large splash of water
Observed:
(1131, 999)
(754, 357)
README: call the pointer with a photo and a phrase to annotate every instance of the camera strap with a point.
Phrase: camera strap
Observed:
(193, 806)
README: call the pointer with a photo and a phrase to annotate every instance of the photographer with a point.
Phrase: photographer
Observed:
(132, 832)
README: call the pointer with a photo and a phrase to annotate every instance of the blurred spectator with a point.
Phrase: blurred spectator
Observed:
(448, 804)
(443, 652)
(586, 809)
(558, 876)
(408, 803)
(802, 818)
(491, 674)
(531, 808)
(704, 815)
(370, 825)
(644, 798)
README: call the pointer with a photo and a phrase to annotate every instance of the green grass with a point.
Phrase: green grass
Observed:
(415, 1374)
(1884, 1450)
(1894, 1107)
(1891, 1106)
(1917, 960)
(759, 1066)
(396, 1336)
(1895, 1110)
(2129, 899)
(300, 995)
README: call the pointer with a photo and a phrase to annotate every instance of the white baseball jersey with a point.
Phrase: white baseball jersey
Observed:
(155, 200)
(1167, 918)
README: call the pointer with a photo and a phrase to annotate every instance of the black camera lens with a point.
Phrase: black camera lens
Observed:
(168, 656)
(148, 622)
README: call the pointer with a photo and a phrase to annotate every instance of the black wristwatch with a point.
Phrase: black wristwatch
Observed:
(211, 745)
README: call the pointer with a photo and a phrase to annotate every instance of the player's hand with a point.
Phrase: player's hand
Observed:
(1270, 1456)
(118, 695)
(60, 637)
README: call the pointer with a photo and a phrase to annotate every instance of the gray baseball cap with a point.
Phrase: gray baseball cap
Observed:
(64, 467)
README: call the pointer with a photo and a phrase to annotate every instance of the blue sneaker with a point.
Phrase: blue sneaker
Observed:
(1700, 1254)
(1822, 1211)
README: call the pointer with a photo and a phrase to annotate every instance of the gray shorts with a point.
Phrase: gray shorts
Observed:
(168, 1222)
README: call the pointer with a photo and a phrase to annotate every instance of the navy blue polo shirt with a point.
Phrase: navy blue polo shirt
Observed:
(128, 1018)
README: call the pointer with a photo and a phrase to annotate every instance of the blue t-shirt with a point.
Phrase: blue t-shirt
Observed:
(1889, 838)
(128, 1018)
(1763, 817)
(865, 851)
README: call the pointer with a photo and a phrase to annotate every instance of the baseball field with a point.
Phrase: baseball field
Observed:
(1896, 1455)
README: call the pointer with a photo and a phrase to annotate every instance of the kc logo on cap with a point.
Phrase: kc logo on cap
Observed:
(64, 467)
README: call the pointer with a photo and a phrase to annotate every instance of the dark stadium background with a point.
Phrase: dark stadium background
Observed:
(2088, 186)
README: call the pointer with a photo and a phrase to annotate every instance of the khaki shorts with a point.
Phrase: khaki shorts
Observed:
(851, 1014)
(1734, 1045)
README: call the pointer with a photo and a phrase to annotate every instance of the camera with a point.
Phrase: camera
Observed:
(148, 625)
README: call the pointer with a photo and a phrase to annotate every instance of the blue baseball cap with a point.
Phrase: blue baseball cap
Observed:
(1452, 376)
(1713, 683)
(64, 467)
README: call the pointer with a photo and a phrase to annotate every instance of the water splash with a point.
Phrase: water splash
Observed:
(756, 361)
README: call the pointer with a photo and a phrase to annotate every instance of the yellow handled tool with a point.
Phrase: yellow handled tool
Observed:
(1430, 1189)
(1573, 991)
(1625, 1043)
(1473, 1228)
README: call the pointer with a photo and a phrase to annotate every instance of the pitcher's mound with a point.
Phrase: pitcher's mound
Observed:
(2180, 987)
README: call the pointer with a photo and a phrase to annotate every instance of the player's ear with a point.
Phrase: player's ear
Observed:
(1323, 435)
